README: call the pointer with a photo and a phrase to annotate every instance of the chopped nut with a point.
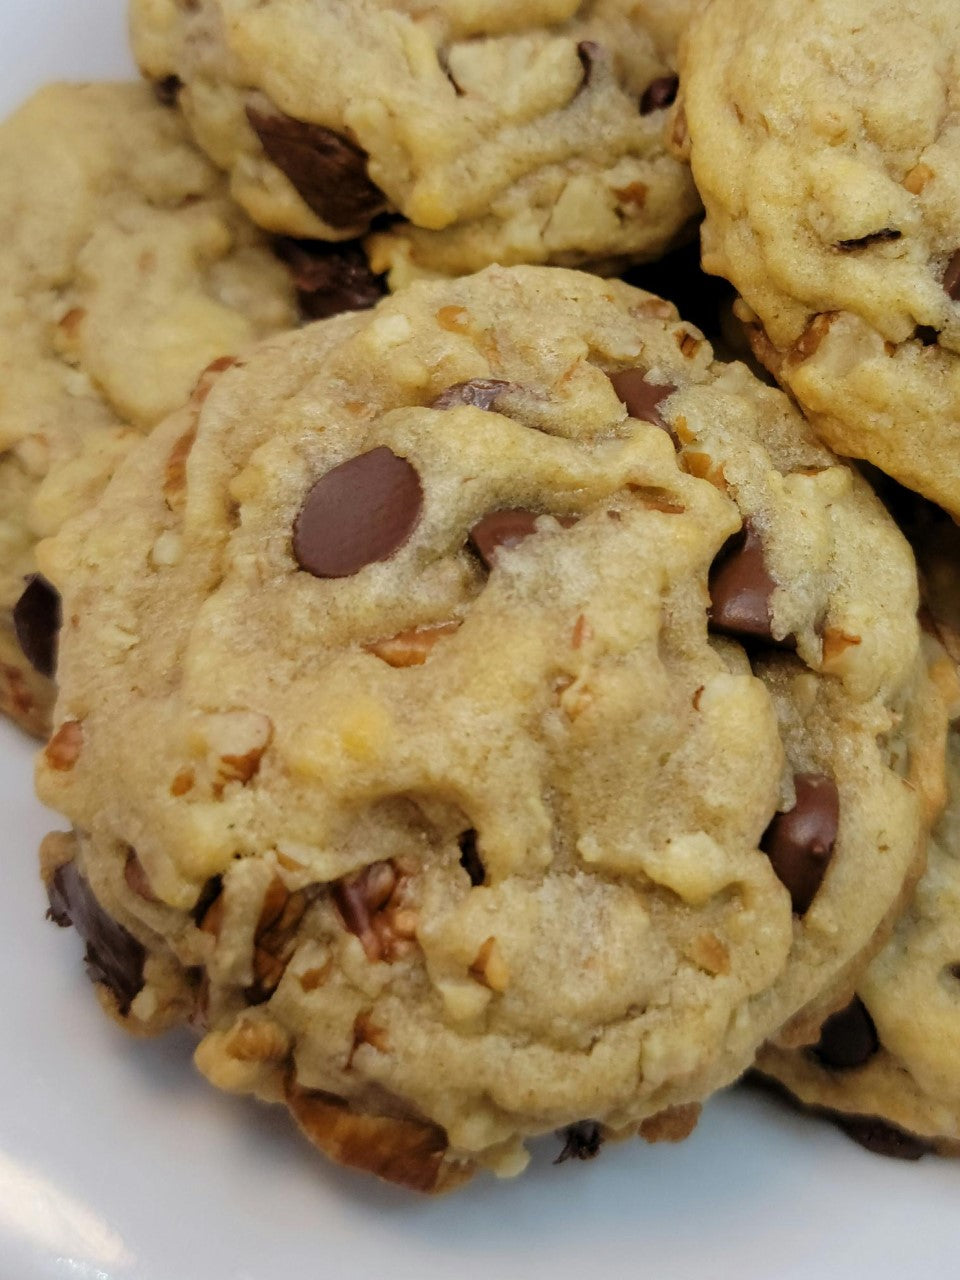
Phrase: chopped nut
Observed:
(634, 193)
(689, 344)
(454, 319)
(411, 648)
(257, 1040)
(70, 323)
(582, 632)
(366, 1031)
(204, 384)
(490, 968)
(237, 741)
(672, 1125)
(657, 308)
(709, 953)
(63, 749)
(658, 500)
(182, 783)
(835, 643)
(275, 939)
(410, 1153)
(311, 979)
(701, 465)
(175, 476)
(815, 332)
(917, 178)
(372, 906)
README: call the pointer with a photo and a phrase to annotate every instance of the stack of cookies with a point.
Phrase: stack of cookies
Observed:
(483, 704)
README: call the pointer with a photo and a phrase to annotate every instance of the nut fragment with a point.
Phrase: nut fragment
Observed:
(709, 953)
(411, 648)
(489, 968)
(373, 905)
(815, 332)
(175, 476)
(835, 644)
(410, 1153)
(275, 939)
(672, 1125)
(257, 1040)
(63, 749)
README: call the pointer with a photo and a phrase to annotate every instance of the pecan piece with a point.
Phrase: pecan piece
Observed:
(372, 906)
(411, 1153)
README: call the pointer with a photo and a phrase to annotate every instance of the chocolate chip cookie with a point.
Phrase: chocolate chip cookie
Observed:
(497, 717)
(126, 270)
(527, 132)
(887, 1067)
(825, 140)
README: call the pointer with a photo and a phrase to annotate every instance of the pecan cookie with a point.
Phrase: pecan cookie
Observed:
(887, 1067)
(825, 140)
(493, 719)
(524, 132)
(126, 270)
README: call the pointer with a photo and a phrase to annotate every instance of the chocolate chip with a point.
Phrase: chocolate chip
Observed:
(660, 93)
(875, 237)
(113, 957)
(470, 858)
(504, 530)
(582, 1141)
(951, 278)
(330, 278)
(167, 90)
(883, 1138)
(357, 514)
(642, 399)
(327, 169)
(741, 588)
(501, 531)
(848, 1039)
(482, 393)
(36, 620)
(799, 843)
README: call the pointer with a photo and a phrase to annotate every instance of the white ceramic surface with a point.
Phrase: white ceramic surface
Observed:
(118, 1163)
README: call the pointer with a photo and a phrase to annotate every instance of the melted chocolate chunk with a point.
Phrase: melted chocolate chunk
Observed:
(951, 278)
(327, 169)
(482, 393)
(741, 588)
(113, 957)
(799, 843)
(660, 93)
(36, 620)
(167, 90)
(848, 1039)
(883, 1138)
(875, 237)
(582, 1141)
(359, 513)
(470, 858)
(330, 278)
(642, 399)
(501, 531)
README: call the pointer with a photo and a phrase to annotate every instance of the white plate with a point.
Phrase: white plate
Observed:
(117, 1161)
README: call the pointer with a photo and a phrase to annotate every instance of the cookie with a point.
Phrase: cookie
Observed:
(824, 137)
(126, 271)
(529, 132)
(887, 1067)
(492, 720)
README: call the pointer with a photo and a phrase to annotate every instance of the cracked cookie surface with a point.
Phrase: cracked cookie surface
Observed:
(529, 132)
(488, 713)
(126, 271)
(825, 140)
(887, 1067)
